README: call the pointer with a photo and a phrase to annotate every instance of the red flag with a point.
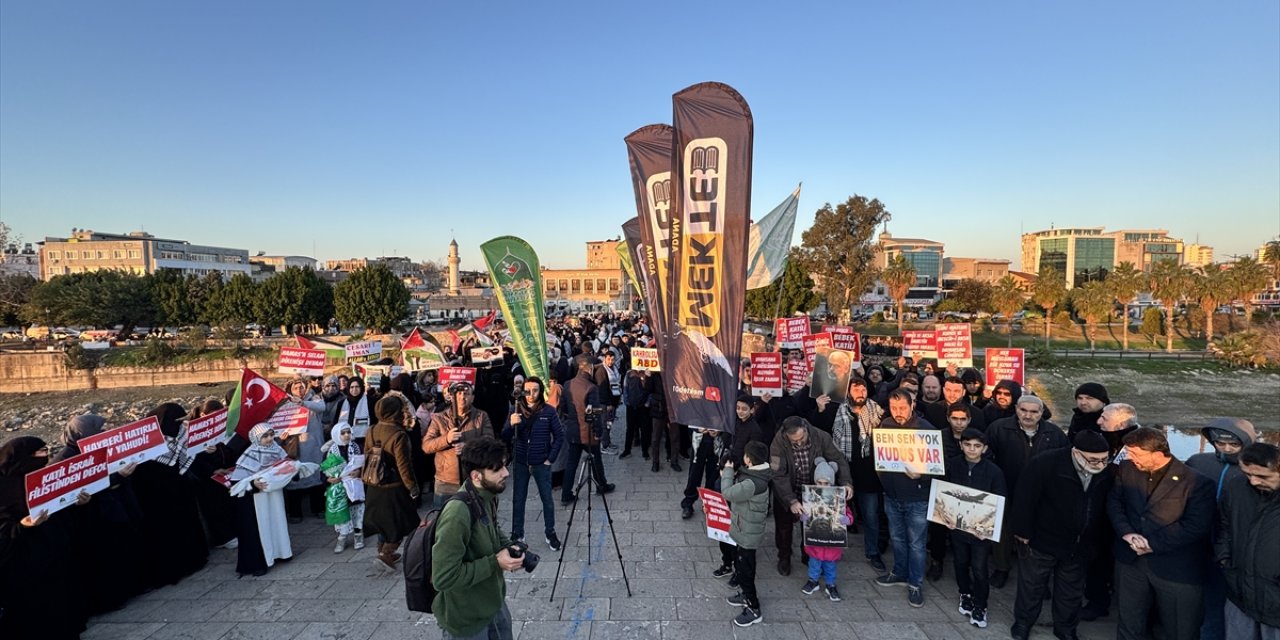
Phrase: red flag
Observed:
(484, 322)
(413, 341)
(304, 343)
(254, 401)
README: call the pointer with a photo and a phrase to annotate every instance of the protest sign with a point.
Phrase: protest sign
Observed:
(56, 486)
(485, 356)
(644, 359)
(845, 339)
(134, 442)
(812, 344)
(824, 507)
(797, 375)
(304, 362)
(790, 332)
(831, 371)
(718, 514)
(958, 507)
(290, 419)
(752, 343)
(362, 349)
(915, 450)
(207, 430)
(1006, 364)
(766, 373)
(918, 345)
(954, 344)
(450, 375)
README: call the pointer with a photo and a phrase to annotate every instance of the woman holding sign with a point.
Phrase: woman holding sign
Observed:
(172, 532)
(263, 528)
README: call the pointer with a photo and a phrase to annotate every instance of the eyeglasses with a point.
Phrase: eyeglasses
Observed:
(1002, 393)
(1094, 462)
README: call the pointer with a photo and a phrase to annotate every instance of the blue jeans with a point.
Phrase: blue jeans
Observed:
(907, 526)
(824, 568)
(541, 474)
(869, 508)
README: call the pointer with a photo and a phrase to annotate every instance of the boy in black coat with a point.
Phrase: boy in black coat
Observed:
(972, 470)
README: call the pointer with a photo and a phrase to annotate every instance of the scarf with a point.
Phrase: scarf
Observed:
(79, 427)
(174, 429)
(842, 432)
(352, 449)
(257, 457)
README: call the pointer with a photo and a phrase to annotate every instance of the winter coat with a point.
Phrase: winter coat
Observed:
(743, 433)
(537, 439)
(464, 565)
(1081, 421)
(1052, 509)
(991, 412)
(936, 413)
(820, 446)
(582, 394)
(1246, 549)
(749, 506)
(473, 425)
(897, 485)
(636, 394)
(1010, 448)
(1213, 466)
(1175, 520)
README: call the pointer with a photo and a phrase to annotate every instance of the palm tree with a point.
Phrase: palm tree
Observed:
(899, 276)
(1169, 282)
(1125, 281)
(1208, 287)
(1271, 256)
(1049, 291)
(1248, 277)
(1092, 301)
(1008, 298)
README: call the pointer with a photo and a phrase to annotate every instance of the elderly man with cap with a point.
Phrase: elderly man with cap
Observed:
(1091, 397)
(1228, 436)
(1115, 421)
(1162, 512)
(448, 432)
(1058, 516)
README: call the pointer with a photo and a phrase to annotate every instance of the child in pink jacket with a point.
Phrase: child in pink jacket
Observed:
(822, 560)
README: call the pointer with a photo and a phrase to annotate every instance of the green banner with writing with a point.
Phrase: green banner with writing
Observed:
(517, 279)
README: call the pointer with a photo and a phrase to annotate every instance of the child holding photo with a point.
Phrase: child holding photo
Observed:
(822, 559)
(973, 470)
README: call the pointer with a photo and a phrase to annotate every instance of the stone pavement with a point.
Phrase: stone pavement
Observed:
(669, 562)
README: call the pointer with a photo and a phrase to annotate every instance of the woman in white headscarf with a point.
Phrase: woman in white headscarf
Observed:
(263, 527)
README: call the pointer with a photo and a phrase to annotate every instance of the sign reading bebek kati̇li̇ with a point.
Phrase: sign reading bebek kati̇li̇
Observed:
(915, 450)
(644, 359)
(134, 442)
(56, 486)
(790, 332)
(304, 362)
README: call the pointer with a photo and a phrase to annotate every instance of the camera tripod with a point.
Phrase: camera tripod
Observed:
(587, 478)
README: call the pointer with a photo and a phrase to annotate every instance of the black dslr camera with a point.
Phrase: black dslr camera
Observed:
(594, 411)
(528, 559)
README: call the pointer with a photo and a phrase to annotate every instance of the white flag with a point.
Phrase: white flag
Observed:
(770, 241)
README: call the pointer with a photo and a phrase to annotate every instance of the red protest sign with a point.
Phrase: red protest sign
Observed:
(845, 339)
(304, 362)
(954, 344)
(290, 419)
(919, 344)
(56, 486)
(813, 344)
(790, 332)
(1006, 364)
(134, 442)
(718, 515)
(797, 375)
(209, 429)
(450, 375)
(766, 374)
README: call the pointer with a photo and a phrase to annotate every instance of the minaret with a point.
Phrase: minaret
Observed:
(453, 268)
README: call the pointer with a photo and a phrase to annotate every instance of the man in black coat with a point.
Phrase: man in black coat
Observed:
(953, 392)
(1162, 512)
(582, 433)
(1245, 547)
(1058, 519)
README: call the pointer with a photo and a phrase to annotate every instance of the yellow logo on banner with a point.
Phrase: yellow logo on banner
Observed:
(702, 250)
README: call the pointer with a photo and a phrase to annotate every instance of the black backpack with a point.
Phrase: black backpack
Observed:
(418, 590)
(377, 472)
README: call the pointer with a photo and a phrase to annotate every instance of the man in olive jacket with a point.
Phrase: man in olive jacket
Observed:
(791, 458)
(471, 551)
(1248, 517)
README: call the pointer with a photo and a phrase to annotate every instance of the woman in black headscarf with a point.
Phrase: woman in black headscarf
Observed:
(389, 507)
(216, 504)
(112, 521)
(172, 533)
(36, 565)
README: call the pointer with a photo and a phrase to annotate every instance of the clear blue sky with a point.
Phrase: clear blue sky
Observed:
(380, 128)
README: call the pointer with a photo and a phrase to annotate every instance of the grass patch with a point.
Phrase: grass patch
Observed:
(151, 356)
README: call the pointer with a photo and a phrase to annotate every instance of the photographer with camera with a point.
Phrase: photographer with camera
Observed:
(586, 411)
(471, 552)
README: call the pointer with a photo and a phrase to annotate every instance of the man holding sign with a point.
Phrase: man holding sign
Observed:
(906, 496)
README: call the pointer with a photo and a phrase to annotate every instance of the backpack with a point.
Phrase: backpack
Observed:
(419, 593)
(376, 471)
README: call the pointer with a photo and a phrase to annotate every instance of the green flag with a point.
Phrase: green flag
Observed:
(624, 256)
(513, 265)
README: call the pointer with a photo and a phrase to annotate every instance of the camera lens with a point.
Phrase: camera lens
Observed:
(530, 561)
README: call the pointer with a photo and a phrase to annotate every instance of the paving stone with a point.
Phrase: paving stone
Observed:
(263, 631)
(189, 631)
(309, 610)
(337, 631)
(259, 610)
(625, 630)
(121, 630)
(187, 610)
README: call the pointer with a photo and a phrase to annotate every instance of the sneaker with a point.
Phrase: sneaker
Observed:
(675, 466)
(748, 617)
(342, 544)
(833, 594)
(625, 455)
(517, 537)
(733, 581)
(686, 513)
(810, 587)
(231, 544)
(877, 564)
(655, 466)
(978, 618)
(359, 541)
(606, 488)
(966, 604)
(611, 450)
(737, 600)
(553, 542)
(891, 580)
(568, 501)
(915, 597)
(724, 570)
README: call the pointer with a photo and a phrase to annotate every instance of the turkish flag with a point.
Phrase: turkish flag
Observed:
(483, 323)
(254, 401)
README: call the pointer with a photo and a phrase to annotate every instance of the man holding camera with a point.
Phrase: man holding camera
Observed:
(586, 412)
(471, 552)
(447, 434)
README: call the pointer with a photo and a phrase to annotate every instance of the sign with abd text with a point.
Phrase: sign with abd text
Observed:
(718, 515)
(56, 486)
(766, 374)
(207, 430)
(916, 450)
(954, 344)
(304, 362)
(1006, 364)
(134, 442)
(644, 359)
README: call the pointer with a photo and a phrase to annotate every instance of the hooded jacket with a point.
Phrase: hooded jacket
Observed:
(749, 507)
(1215, 466)
(537, 438)
(821, 446)
(992, 412)
(1245, 547)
